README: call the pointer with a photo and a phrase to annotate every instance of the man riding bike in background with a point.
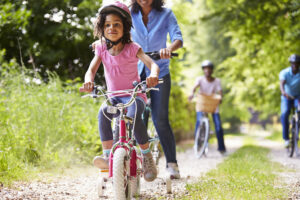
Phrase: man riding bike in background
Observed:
(290, 93)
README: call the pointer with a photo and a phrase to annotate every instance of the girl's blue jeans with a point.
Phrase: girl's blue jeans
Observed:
(133, 111)
(218, 128)
(286, 106)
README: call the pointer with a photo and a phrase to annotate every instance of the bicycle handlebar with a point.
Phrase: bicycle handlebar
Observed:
(155, 55)
(138, 88)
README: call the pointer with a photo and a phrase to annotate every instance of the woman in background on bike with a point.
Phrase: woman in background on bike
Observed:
(151, 24)
(120, 56)
(209, 85)
(290, 92)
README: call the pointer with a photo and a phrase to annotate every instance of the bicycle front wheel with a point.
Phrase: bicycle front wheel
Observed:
(201, 138)
(291, 146)
(295, 137)
(121, 175)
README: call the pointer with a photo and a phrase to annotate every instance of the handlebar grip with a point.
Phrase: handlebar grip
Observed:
(160, 81)
(174, 54)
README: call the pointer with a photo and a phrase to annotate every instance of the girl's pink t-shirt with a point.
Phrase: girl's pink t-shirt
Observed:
(121, 70)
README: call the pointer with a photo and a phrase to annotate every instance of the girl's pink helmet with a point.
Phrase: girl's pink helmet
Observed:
(118, 7)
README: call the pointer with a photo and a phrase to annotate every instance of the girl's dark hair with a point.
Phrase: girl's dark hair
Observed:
(156, 4)
(100, 22)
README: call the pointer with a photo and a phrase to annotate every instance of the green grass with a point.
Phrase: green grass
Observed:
(275, 136)
(43, 126)
(246, 174)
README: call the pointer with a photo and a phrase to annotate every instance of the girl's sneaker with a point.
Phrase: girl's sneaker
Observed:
(149, 167)
(101, 162)
(173, 170)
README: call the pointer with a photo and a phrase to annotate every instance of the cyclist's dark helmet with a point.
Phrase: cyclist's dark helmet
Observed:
(294, 58)
(207, 63)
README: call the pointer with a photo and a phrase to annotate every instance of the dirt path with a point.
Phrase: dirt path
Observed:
(292, 178)
(80, 183)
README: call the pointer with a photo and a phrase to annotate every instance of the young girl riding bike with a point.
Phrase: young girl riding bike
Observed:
(120, 56)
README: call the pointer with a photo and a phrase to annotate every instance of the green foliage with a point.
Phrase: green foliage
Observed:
(247, 174)
(179, 108)
(249, 41)
(45, 125)
(263, 34)
(49, 35)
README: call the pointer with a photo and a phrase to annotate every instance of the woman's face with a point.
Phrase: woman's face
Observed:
(145, 3)
(113, 27)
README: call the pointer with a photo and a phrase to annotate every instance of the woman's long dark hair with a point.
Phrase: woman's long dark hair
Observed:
(99, 27)
(156, 4)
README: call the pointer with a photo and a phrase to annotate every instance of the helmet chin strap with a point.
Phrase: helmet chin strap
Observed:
(110, 44)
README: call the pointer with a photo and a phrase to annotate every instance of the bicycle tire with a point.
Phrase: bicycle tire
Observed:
(291, 145)
(295, 138)
(201, 138)
(121, 175)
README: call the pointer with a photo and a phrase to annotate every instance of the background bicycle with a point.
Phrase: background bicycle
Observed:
(292, 148)
(204, 104)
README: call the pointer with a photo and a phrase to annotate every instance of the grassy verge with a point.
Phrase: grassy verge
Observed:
(246, 174)
(43, 126)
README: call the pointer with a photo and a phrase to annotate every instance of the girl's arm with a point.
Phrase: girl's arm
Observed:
(152, 79)
(90, 75)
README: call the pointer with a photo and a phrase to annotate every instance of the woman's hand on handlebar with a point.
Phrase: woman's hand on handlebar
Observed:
(87, 87)
(165, 53)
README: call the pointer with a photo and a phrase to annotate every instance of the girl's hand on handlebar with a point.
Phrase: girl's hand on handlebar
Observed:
(87, 87)
(165, 53)
(152, 80)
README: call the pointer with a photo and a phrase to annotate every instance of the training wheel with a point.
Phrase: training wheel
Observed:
(169, 185)
(101, 186)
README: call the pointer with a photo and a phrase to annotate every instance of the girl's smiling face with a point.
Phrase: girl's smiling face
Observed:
(113, 27)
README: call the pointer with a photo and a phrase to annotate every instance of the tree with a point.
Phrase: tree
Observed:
(54, 35)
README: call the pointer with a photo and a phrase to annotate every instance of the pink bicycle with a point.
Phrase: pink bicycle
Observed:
(125, 163)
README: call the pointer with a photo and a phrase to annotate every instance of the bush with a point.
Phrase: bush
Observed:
(43, 124)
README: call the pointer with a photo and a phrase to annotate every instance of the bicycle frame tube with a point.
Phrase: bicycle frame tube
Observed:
(122, 136)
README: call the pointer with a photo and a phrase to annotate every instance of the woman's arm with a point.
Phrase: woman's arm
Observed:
(152, 79)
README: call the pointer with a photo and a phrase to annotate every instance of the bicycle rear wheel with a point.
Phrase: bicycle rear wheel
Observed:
(121, 175)
(201, 138)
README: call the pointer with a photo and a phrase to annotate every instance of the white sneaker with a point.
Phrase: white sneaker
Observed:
(101, 162)
(286, 143)
(173, 170)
